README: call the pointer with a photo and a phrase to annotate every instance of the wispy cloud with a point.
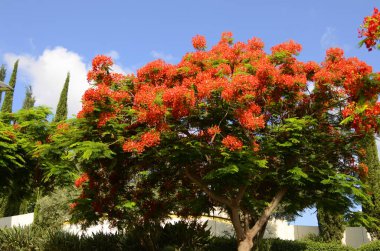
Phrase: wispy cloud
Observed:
(329, 38)
(160, 55)
(113, 54)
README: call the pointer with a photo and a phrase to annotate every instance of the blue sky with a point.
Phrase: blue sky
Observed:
(53, 37)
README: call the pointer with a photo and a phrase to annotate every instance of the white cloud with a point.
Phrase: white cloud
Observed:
(113, 54)
(163, 56)
(329, 38)
(47, 73)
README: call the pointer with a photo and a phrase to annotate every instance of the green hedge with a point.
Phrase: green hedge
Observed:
(307, 245)
(180, 236)
(372, 246)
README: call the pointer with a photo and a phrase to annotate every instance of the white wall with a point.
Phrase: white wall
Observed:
(353, 236)
(18, 220)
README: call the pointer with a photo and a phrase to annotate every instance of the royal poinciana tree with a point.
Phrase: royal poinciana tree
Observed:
(370, 32)
(232, 127)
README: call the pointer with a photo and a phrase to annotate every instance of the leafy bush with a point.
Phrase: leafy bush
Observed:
(53, 209)
(28, 238)
(61, 240)
(305, 245)
(182, 236)
(185, 235)
(225, 243)
(372, 246)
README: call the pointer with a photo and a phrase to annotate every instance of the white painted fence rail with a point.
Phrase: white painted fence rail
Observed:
(353, 236)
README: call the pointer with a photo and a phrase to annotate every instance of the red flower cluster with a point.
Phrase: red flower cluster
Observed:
(232, 143)
(180, 99)
(290, 47)
(82, 179)
(370, 30)
(213, 130)
(100, 68)
(62, 126)
(148, 139)
(199, 42)
(240, 76)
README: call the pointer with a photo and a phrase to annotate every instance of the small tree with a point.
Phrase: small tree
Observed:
(61, 112)
(330, 223)
(231, 127)
(8, 99)
(29, 99)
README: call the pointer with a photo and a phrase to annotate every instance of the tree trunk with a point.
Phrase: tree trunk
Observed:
(247, 243)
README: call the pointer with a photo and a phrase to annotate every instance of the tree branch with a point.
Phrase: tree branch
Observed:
(211, 194)
(240, 194)
(266, 214)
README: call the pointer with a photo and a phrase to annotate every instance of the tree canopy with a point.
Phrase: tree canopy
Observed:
(232, 127)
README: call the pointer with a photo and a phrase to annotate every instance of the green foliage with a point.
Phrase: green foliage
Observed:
(330, 224)
(8, 99)
(61, 112)
(21, 238)
(372, 246)
(222, 243)
(57, 167)
(372, 180)
(29, 99)
(30, 129)
(185, 235)
(3, 72)
(53, 208)
(307, 245)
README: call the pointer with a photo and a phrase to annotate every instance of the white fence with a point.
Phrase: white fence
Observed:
(18, 220)
(353, 236)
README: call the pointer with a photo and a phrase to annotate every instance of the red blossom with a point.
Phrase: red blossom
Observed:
(370, 30)
(255, 146)
(290, 47)
(73, 205)
(148, 139)
(199, 42)
(82, 179)
(232, 143)
(213, 130)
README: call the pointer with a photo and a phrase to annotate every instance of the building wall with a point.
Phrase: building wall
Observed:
(353, 236)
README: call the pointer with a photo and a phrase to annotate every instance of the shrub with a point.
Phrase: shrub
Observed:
(305, 245)
(53, 209)
(28, 238)
(185, 235)
(62, 241)
(372, 246)
(225, 243)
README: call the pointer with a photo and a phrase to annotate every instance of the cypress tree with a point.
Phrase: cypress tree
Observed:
(330, 224)
(8, 99)
(3, 72)
(61, 112)
(29, 100)
(371, 159)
